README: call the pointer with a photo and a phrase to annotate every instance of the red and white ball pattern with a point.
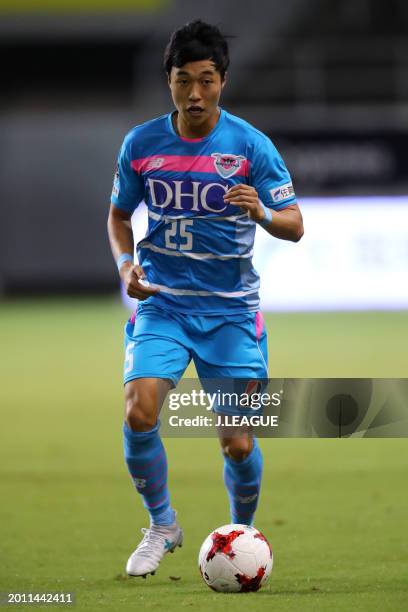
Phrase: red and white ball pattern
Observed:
(235, 558)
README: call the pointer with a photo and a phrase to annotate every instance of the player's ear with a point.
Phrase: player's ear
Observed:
(223, 81)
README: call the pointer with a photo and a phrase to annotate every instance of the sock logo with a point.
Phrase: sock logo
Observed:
(140, 483)
(246, 500)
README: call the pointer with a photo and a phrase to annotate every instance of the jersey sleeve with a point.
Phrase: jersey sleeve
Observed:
(270, 177)
(128, 186)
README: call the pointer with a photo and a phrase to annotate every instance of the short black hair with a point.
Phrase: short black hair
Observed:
(197, 41)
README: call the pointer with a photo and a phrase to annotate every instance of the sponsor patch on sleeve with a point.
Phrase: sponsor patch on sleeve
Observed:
(115, 188)
(284, 192)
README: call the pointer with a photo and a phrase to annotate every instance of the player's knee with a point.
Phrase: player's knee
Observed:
(237, 448)
(139, 413)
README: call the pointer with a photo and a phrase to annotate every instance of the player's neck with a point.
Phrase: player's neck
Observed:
(186, 130)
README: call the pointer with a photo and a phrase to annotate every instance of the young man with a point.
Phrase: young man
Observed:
(208, 178)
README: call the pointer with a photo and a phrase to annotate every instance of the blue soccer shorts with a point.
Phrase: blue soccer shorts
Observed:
(161, 343)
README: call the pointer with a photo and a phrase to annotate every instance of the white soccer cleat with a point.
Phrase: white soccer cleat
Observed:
(157, 541)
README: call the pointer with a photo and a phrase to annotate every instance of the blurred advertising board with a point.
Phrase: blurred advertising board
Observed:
(353, 256)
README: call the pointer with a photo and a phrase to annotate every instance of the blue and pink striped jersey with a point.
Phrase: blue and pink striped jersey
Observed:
(197, 249)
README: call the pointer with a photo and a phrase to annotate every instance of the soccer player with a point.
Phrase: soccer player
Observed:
(208, 179)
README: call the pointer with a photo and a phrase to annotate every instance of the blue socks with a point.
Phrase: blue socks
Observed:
(243, 482)
(147, 463)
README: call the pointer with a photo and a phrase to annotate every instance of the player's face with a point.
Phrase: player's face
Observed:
(196, 89)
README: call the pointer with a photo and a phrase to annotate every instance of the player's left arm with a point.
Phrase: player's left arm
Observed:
(286, 223)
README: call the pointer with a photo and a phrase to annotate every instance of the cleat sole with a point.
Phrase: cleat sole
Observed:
(142, 575)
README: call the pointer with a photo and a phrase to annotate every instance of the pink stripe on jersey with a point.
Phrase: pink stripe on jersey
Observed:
(259, 324)
(183, 163)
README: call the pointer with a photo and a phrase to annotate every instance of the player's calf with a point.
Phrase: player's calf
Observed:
(143, 400)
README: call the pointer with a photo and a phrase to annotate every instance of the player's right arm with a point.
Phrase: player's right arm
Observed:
(269, 198)
(127, 193)
(121, 241)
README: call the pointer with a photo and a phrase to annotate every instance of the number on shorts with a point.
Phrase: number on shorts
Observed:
(129, 357)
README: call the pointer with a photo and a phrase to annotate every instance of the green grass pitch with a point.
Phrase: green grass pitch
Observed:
(79, 6)
(335, 511)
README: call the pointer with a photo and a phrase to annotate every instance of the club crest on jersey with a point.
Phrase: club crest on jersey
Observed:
(227, 164)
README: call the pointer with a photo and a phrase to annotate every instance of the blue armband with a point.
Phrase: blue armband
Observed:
(122, 258)
(266, 221)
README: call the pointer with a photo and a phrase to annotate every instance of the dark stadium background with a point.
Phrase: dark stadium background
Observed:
(328, 81)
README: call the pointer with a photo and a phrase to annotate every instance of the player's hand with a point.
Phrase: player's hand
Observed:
(246, 197)
(133, 277)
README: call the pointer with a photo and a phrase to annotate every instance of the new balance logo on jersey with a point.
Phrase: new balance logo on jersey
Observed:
(155, 163)
(197, 196)
(227, 164)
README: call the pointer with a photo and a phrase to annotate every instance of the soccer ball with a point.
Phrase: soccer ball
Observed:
(235, 558)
